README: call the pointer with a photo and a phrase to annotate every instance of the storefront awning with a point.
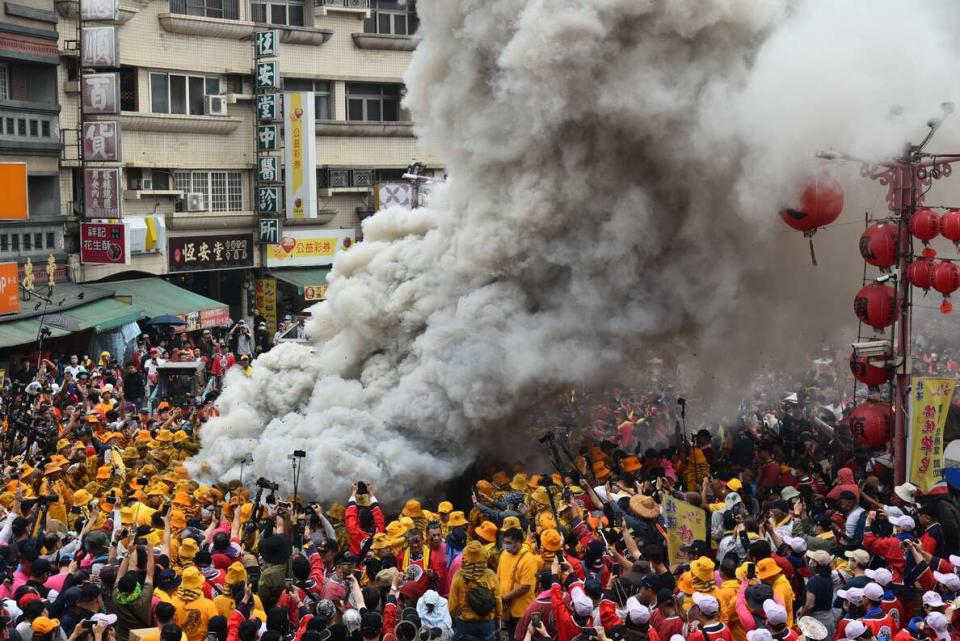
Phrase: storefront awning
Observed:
(159, 298)
(311, 282)
(100, 316)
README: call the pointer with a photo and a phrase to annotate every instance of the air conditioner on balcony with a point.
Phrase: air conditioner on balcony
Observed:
(193, 201)
(146, 184)
(216, 105)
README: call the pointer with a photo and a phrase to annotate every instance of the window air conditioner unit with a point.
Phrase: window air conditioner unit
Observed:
(194, 201)
(146, 184)
(216, 105)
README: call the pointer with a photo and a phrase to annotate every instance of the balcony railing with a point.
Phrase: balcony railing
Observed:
(344, 4)
(32, 124)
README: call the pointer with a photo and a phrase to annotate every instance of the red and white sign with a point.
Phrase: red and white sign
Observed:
(104, 244)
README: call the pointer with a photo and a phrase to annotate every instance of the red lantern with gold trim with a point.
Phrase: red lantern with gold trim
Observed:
(870, 424)
(925, 225)
(878, 244)
(876, 305)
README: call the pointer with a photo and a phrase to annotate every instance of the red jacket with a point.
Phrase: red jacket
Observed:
(895, 610)
(888, 548)
(567, 628)
(357, 534)
(714, 632)
(883, 628)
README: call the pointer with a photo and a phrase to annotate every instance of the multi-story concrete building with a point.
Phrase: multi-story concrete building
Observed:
(188, 125)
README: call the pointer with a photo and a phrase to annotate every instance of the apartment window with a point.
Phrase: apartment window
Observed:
(51, 240)
(391, 17)
(321, 97)
(4, 81)
(289, 12)
(38, 240)
(226, 9)
(34, 128)
(15, 242)
(180, 94)
(128, 89)
(21, 126)
(373, 102)
(221, 190)
(4, 243)
(45, 128)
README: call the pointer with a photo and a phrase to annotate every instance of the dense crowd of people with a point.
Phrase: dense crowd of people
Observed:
(105, 537)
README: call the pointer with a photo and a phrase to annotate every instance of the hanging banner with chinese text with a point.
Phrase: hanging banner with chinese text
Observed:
(684, 524)
(929, 403)
(104, 244)
(300, 154)
(265, 301)
(308, 247)
(219, 251)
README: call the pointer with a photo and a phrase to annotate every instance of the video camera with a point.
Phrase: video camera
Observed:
(266, 484)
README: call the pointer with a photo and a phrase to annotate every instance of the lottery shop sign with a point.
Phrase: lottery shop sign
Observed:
(201, 253)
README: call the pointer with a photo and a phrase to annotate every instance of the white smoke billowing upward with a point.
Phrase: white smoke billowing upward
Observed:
(614, 166)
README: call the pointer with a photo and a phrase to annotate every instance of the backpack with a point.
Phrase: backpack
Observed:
(481, 600)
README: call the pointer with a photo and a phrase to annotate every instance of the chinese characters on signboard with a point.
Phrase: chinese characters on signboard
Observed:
(101, 141)
(100, 93)
(267, 138)
(929, 402)
(265, 300)
(221, 251)
(684, 524)
(269, 231)
(268, 75)
(268, 200)
(99, 10)
(104, 243)
(101, 192)
(300, 154)
(268, 169)
(308, 247)
(266, 44)
(268, 106)
(99, 47)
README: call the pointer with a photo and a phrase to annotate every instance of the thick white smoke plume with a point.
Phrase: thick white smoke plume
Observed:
(614, 171)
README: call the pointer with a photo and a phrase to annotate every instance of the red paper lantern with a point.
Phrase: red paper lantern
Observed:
(946, 277)
(878, 244)
(920, 273)
(950, 225)
(870, 370)
(876, 305)
(820, 203)
(925, 225)
(870, 424)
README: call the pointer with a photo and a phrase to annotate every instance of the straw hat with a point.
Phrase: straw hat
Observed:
(510, 523)
(164, 436)
(644, 506)
(81, 497)
(519, 482)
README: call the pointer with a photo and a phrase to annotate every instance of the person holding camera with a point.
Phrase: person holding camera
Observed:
(133, 594)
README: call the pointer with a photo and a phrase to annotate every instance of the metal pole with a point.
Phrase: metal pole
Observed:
(905, 202)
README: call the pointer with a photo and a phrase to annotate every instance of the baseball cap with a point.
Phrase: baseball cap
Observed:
(880, 575)
(939, 623)
(862, 557)
(904, 522)
(820, 557)
(951, 580)
(932, 599)
(756, 635)
(873, 592)
(853, 595)
(854, 629)
(775, 613)
(847, 495)
(707, 604)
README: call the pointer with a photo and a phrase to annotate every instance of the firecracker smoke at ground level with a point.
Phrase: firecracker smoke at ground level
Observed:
(615, 169)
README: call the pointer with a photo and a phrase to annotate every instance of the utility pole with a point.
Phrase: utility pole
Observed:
(907, 179)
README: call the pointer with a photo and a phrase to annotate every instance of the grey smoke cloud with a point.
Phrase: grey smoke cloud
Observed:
(614, 171)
